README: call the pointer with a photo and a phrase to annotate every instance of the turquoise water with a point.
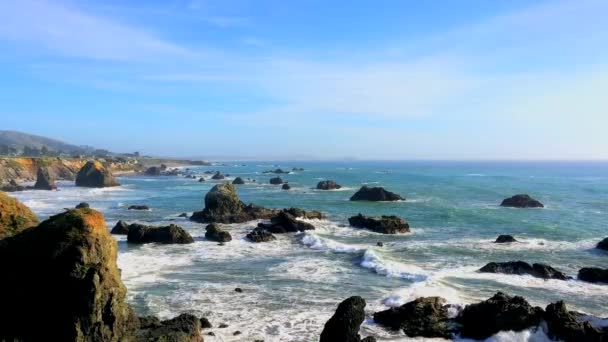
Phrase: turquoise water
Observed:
(292, 285)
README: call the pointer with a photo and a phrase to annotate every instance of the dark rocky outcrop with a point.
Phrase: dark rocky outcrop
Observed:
(522, 268)
(138, 233)
(82, 205)
(276, 181)
(95, 175)
(153, 171)
(12, 186)
(205, 324)
(138, 207)
(383, 224)
(375, 194)
(183, 328)
(424, 317)
(14, 217)
(260, 235)
(345, 323)
(593, 275)
(603, 244)
(286, 186)
(238, 181)
(505, 239)
(45, 180)
(120, 228)
(499, 313)
(277, 171)
(218, 175)
(328, 185)
(215, 233)
(223, 205)
(566, 325)
(285, 222)
(306, 214)
(521, 201)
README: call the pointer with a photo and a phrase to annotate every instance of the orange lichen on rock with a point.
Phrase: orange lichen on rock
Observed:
(14, 216)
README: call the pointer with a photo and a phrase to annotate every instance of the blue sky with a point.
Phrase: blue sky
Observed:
(311, 79)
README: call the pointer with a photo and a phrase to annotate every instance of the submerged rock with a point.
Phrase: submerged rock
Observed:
(345, 323)
(505, 239)
(121, 228)
(276, 181)
(375, 194)
(94, 175)
(82, 205)
(499, 313)
(521, 201)
(328, 185)
(384, 224)
(566, 325)
(522, 268)
(153, 171)
(260, 235)
(603, 244)
(215, 233)
(138, 233)
(285, 222)
(14, 217)
(218, 175)
(286, 186)
(238, 181)
(423, 317)
(45, 180)
(593, 275)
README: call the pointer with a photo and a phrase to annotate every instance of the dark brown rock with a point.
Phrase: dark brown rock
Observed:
(238, 181)
(14, 216)
(45, 180)
(215, 233)
(260, 235)
(121, 228)
(593, 275)
(522, 268)
(328, 185)
(284, 222)
(566, 325)
(345, 323)
(384, 224)
(423, 317)
(276, 181)
(375, 194)
(139, 233)
(505, 239)
(138, 207)
(95, 175)
(521, 201)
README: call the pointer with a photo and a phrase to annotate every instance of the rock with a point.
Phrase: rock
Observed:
(499, 313)
(384, 224)
(522, 268)
(183, 215)
(146, 322)
(521, 201)
(14, 216)
(375, 194)
(603, 244)
(205, 324)
(209, 172)
(138, 207)
(284, 222)
(593, 275)
(565, 325)
(121, 228)
(276, 181)
(379, 244)
(328, 185)
(297, 169)
(222, 205)
(183, 328)
(12, 186)
(211, 333)
(238, 181)
(202, 179)
(239, 290)
(236, 333)
(163, 167)
(505, 239)
(423, 317)
(223, 326)
(82, 205)
(45, 180)
(218, 175)
(94, 175)
(277, 171)
(344, 324)
(286, 186)
(63, 271)
(260, 235)
(153, 171)
(215, 233)
(139, 233)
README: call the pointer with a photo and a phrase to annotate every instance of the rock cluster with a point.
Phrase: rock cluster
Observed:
(95, 175)
(521, 201)
(521, 268)
(383, 224)
(375, 194)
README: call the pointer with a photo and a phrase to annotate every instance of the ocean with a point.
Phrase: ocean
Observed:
(291, 286)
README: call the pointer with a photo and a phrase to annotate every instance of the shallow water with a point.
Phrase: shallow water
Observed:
(292, 285)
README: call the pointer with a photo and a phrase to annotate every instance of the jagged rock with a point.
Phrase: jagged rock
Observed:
(286, 186)
(521, 268)
(121, 228)
(14, 217)
(424, 317)
(183, 328)
(138, 207)
(328, 185)
(138, 233)
(45, 180)
(222, 205)
(218, 175)
(215, 233)
(276, 181)
(505, 239)
(499, 313)
(565, 325)
(603, 244)
(238, 181)
(384, 224)
(82, 205)
(593, 275)
(375, 194)
(260, 235)
(345, 323)
(63, 271)
(94, 175)
(153, 171)
(521, 201)
(284, 222)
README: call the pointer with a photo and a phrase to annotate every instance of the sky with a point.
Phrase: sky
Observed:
(310, 79)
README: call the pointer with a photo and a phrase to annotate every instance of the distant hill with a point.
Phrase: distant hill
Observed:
(21, 141)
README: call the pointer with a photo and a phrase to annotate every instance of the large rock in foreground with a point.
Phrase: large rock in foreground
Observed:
(521, 201)
(522, 268)
(384, 224)
(45, 180)
(94, 175)
(62, 282)
(139, 233)
(345, 323)
(328, 185)
(376, 194)
(423, 317)
(593, 275)
(14, 217)
(222, 205)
